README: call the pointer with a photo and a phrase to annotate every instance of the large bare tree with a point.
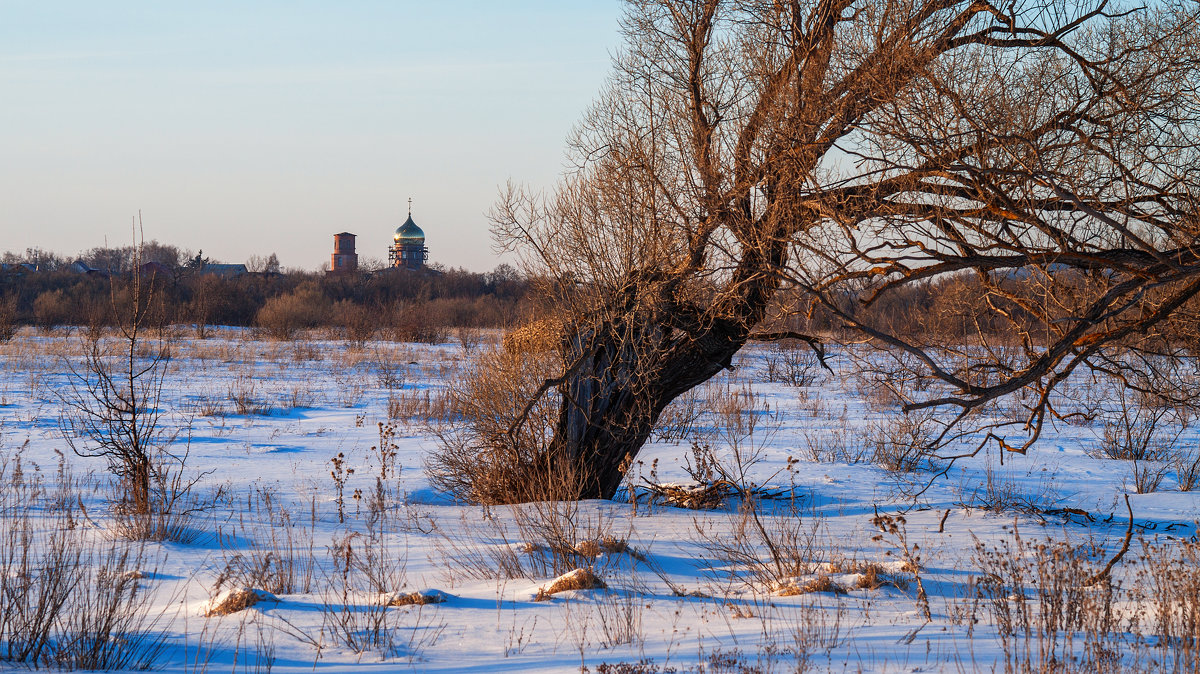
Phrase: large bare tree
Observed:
(841, 150)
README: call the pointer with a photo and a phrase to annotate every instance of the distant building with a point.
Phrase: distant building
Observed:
(154, 269)
(223, 270)
(343, 260)
(408, 249)
(19, 268)
(81, 267)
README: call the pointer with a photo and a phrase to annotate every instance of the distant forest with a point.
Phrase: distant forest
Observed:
(47, 290)
(430, 305)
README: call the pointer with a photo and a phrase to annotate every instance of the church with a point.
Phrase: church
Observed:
(408, 249)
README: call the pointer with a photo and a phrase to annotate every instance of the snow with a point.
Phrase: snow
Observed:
(267, 479)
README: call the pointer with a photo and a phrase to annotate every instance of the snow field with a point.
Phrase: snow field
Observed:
(822, 575)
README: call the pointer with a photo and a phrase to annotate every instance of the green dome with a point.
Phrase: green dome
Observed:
(409, 233)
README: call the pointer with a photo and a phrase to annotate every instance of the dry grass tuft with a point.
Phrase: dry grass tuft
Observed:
(235, 600)
(579, 579)
(595, 547)
(871, 576)
(798, 586)
(541, 336)
(419, 598)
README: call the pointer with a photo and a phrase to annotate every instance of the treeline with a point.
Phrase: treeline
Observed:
(406, 305)
(426, 305)
(1020, 307)
(119, 260)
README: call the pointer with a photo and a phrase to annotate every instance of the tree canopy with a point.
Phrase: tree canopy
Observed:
(833, 152)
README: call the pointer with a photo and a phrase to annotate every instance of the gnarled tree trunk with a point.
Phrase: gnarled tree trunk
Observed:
(629, 366)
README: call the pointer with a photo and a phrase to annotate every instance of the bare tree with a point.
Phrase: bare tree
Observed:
(844, 149)
(112, 410)
(260, 264)
(112, 407)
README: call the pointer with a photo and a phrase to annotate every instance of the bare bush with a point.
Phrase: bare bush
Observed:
(283, 316)
(1187, 468)
(389, 373)
(792, 364)
(469, 338)
(8, 317)
(843, 444)
(764, 549)
(491, 458)
(416, 322)
(1145, 477)
(906, 442)
(1140, 428)
(52, 308)
(358, 322)
(1001, 492)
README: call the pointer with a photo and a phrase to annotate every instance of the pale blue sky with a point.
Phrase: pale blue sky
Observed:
(245, 128)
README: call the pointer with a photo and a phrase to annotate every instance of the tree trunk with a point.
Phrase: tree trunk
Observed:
(651, 350)
(613, 398)
(608, 412)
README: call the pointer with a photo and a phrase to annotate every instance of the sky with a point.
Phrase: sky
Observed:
(250, 128)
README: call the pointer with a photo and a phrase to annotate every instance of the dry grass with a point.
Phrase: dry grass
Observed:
(235, 600)
(1041, 609)
(593, 548)
(532, 540)
(762, 549)
(822, 583)
(278, 557)
(1168, 583)
(1001, 491)
(501, 452)
(873, 575)
(68, 599)
(578, 579)
(418, 598)
(422, 406)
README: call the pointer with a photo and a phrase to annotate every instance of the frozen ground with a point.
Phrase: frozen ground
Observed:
(263, 421)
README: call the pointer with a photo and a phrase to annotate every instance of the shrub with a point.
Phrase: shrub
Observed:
(52, 308)
(8, 318)
(417, 323)
(357, 321)
(113, 411)
(487, 460)
(282, 317)
(791, 364)
(905, 442)
(1138, 429)
(1187, 468)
